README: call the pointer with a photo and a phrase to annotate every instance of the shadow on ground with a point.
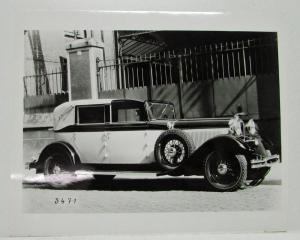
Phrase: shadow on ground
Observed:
(102, 184)
(165, 184)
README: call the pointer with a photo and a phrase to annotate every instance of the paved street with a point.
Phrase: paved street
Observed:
(149, 195)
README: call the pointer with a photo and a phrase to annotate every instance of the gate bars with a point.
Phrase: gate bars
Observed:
(200, 63)
(45, 84)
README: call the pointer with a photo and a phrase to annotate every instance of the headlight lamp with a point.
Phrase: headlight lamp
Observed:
(235, 126)
(251, 127)
(238, 128)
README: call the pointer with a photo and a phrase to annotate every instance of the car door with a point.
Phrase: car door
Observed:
(90, 136)
(127, 133)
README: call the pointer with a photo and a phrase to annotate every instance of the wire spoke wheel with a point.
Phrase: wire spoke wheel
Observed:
(58, 170)
(174, 152)
(172, 148)
(57, 164)
(225, 172)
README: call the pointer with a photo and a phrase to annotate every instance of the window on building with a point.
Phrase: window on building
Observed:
(93, 114)
(75, 34)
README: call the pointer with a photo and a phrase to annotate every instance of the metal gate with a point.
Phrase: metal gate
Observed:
(201, 63)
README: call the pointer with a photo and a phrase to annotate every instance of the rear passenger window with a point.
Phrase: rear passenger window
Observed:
(92, 114)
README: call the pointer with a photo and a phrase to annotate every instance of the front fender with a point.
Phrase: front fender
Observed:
(223, 143)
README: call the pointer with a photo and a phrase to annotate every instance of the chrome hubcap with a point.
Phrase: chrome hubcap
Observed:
(174, 151)
(56, 169)
(222, 168)
(171, 151)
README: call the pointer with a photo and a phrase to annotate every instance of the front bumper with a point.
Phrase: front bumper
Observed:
(265, 162)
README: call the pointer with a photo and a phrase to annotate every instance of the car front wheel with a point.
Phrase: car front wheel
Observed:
(225, 172)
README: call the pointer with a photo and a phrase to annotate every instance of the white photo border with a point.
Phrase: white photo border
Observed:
(197, 15)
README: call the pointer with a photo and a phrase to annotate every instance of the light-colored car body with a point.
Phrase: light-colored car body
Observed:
(116, 147)
(122, 134)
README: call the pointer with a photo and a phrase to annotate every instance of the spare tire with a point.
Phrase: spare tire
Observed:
(173, 147)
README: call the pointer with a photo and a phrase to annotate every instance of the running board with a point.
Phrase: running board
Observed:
(130, 174)
(122, 174)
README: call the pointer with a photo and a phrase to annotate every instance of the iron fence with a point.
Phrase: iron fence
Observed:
(54, 82)
(201, 63)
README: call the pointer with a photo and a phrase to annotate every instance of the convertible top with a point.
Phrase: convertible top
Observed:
(64, 114)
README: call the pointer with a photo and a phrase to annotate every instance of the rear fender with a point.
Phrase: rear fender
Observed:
(54, 147)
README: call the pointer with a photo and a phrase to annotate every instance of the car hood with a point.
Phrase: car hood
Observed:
(192, 123)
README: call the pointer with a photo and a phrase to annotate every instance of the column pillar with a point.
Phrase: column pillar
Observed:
(82, 68)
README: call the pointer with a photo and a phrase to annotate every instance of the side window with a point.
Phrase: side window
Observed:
(92, 114)
(128, 112)
(128, 115)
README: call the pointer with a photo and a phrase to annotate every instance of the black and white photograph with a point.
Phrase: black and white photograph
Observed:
(149, 119)
(135, 121)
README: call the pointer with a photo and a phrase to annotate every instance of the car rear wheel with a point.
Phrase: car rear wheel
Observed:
(225, 172)
(57, 163)
(58, 169)
(172, 148)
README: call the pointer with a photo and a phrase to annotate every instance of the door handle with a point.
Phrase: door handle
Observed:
(106, 136)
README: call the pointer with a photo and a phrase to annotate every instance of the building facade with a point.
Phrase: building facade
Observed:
(205, 74)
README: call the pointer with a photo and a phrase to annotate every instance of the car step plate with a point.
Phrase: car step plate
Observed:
(130, 174)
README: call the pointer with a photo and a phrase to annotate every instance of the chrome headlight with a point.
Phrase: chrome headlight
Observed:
(236, 125)
(251, 127)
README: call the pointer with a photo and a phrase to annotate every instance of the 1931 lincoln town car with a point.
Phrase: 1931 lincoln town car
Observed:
(110, 136)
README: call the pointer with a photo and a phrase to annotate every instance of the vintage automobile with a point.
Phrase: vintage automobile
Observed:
(111, 136)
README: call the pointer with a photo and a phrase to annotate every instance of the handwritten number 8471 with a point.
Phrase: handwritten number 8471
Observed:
(65, 201)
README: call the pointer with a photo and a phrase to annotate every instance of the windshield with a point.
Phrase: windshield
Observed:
(160, 111)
